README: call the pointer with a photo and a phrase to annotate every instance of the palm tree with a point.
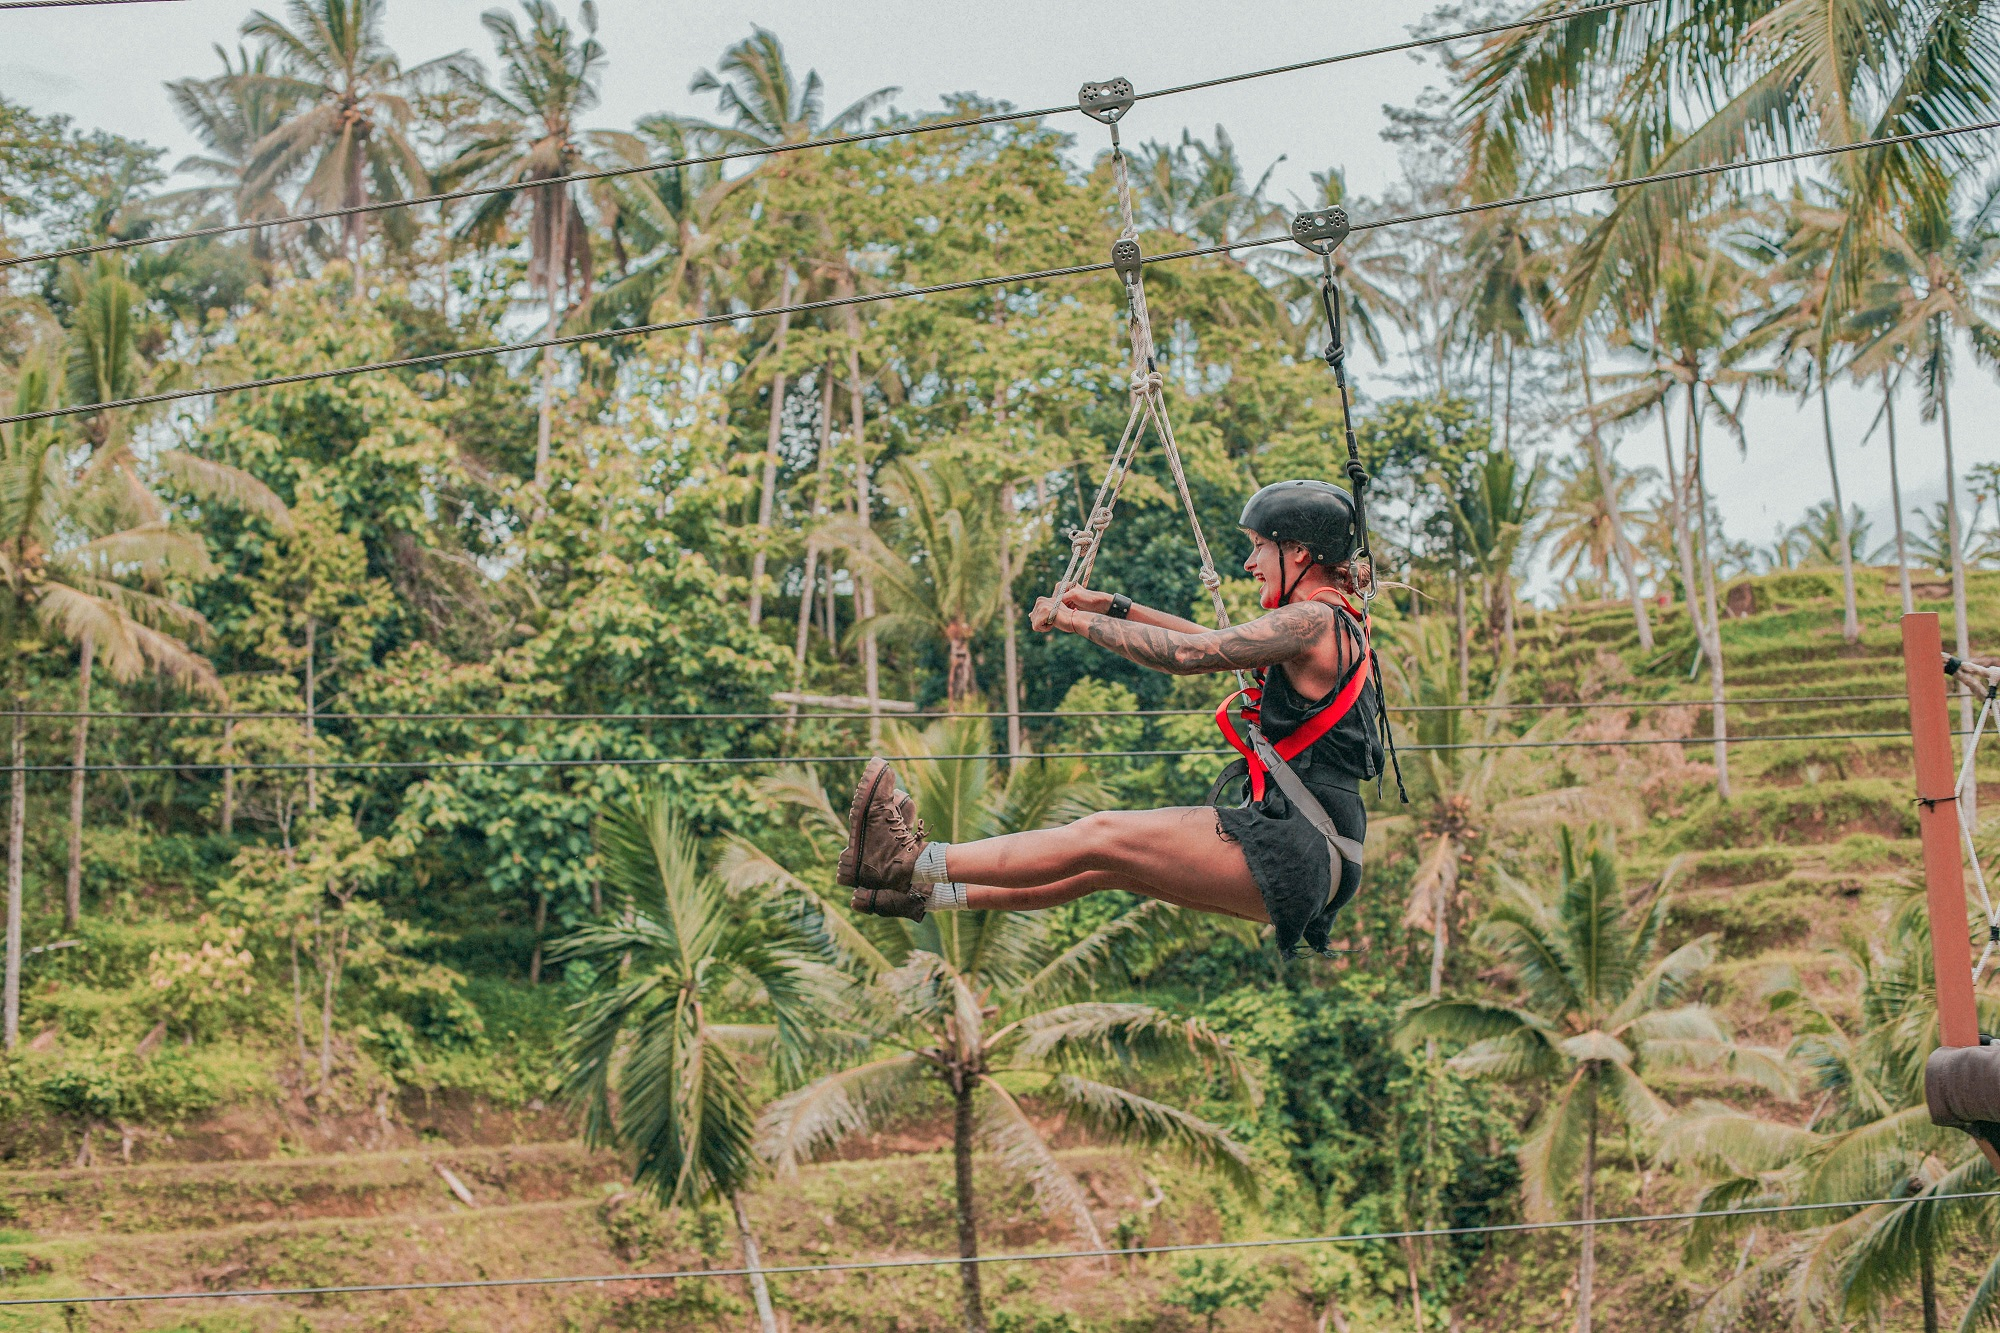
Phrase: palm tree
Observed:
(231, 113)
(668, 218)
(1751, 73)
(766, 101)
(1927, 293)
(1454, 783)
(346, 127)
(1803, 326)
(1869, 1137)
(652, 1058)
(768, 104)
(1587, 525)
(1491, 519)
(944, 582)
(550, 79)
(990, 1008)
(1597, 1016)
(73, 539)
(101, 364)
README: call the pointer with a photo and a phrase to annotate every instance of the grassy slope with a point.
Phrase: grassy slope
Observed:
(1818, 839)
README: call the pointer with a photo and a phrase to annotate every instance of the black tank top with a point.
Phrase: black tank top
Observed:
(1351, 750)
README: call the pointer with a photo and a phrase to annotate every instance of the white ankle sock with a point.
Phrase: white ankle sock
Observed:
(948, 897)
(930, 867)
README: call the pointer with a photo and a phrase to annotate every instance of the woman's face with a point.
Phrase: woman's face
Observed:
(1271, 565)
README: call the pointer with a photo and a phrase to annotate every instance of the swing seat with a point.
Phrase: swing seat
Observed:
(1962, 1089)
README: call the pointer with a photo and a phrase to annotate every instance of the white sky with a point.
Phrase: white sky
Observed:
(105, 68)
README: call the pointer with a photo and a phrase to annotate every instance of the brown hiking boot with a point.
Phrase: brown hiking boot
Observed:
(884, 839)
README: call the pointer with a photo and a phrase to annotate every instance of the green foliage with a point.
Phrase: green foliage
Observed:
(1207, 1285)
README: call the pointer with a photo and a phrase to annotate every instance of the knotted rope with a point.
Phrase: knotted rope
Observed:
(1107, 102)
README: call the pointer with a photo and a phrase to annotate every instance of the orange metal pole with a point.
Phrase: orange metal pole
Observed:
(1937, 797)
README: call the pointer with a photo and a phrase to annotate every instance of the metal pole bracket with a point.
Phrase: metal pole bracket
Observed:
(1106, 102)
(1322, 231)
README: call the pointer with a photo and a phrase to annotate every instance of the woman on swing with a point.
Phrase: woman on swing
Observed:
(1271, 859)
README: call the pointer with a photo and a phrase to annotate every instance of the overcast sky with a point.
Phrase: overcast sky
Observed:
(105, 67)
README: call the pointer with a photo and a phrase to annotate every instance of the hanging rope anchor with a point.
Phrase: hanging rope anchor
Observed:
(1322, 232)
(1107, 104)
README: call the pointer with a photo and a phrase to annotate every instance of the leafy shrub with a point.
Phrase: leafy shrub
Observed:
(108, 1087)
(1206, 1285)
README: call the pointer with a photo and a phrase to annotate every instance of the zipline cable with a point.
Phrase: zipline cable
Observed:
(75, 4)
(971, 284)
(1039, 1256)
(927, 715)
(770, 150)
(705, 761)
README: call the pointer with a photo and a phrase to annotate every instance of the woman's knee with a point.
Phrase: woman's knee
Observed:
(1114, 840)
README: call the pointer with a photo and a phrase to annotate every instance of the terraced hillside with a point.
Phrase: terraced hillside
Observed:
(1818, 840)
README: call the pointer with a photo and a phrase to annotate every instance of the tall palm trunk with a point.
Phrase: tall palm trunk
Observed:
(1678, 517)
(312, 709)
(1011, 658)
(1719, 721)
(17, 828)
(1850, 623)
(1961, 631)
(1927, 1277)
(968, 1216)
(1464, 642)
(864, 591)
(552, 268)
(767, 493)
(1896, 494)
(822, 465)
(1607, 486)
(760, 1289)
(1586, 1264)
(228, 777)
(73, 887)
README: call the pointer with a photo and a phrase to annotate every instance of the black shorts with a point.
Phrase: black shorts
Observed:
(1291, 862)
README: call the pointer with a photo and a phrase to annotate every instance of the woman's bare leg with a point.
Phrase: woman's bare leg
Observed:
(985, 898)
(1176, 854)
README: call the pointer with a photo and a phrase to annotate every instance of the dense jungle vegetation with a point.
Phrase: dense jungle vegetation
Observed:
(426, 783)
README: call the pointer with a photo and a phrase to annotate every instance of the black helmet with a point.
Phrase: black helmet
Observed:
(1316, 515)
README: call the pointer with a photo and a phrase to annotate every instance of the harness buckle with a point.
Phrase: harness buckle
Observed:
(1106, 102)
(1125, 257)
(1322, 231)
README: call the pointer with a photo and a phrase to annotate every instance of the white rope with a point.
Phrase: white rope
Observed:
(1966, 779)
(1148, 404)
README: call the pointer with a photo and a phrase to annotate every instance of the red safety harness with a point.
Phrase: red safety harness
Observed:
(1296, 744)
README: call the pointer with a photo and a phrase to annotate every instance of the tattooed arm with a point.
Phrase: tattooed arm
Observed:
(1280, 636)
(1089, 599)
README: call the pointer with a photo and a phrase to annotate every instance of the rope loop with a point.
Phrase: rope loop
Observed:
(1145, 382)
(1210, 579)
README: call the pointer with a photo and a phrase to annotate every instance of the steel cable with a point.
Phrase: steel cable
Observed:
(970, 284)
(899, 716)
(768, 150)
(1041, 1256)
(702, 761)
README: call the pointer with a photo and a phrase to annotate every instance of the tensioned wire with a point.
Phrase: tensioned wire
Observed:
(1039, 1256)
(768, 150)
(853, 715)
(705, 761)
(972, 284)
(74, 4)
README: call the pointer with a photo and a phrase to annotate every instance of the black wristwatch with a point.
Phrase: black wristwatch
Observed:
(1121, 606)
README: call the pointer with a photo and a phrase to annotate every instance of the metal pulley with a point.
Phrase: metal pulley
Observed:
(1126, 259)
(1321, 231)
(1106, 102)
